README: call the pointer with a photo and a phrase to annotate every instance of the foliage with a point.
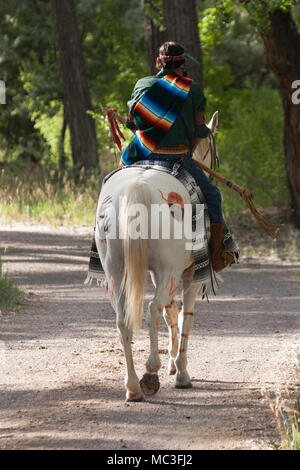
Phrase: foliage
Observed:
(113, 48)
(216, 76)
(229, 41)
(260, 10)
(236, 78)
(154, 9)
(21, 38)
(27, 49)
(251, 147)
(239, 85)
(10, 295)
(113, 60)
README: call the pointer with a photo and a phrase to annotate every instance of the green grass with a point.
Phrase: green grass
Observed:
(48, 197)
(10, 295)
(286, 411)
(292, 427)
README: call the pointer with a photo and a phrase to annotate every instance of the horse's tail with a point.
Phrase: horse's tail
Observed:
(135, 254)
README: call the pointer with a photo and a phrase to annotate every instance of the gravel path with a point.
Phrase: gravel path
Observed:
(62, 367)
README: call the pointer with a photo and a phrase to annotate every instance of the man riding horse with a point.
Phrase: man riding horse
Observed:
(166, 114)
(168, 126)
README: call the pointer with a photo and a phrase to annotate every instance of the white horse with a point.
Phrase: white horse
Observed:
(126, 263)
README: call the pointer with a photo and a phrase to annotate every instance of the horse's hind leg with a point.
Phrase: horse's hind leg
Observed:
(150, 382)
(132, 385)
(171, 319)
(186, 320)
(166, 289)
(133, 390)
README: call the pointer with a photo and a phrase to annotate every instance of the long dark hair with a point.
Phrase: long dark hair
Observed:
(172, 53)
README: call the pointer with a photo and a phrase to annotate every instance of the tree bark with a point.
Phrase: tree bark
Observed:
(76, 94)
(181, 25)
(61, 145)
(282, 50)
(154, 39)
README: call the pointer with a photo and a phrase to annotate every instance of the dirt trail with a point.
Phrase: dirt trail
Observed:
(62, 367)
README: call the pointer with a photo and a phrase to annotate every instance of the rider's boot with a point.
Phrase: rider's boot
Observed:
(219, 257)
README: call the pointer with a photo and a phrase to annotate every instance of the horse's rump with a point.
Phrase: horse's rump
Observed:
(165, 190)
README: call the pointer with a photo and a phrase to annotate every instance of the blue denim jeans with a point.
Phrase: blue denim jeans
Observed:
(210, 191)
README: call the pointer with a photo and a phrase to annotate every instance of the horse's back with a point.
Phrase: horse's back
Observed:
(166, 198)
(160, 184)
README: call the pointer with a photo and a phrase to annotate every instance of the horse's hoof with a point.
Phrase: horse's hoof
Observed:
(149, 384)
(171, 367)
(187, 385)
(134, 397)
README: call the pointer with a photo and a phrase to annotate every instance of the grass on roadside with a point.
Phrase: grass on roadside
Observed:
(256, 244)
(48, 197)
(286, 411)
(10, 295)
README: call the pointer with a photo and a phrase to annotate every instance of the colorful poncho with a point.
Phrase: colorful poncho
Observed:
(154, 114)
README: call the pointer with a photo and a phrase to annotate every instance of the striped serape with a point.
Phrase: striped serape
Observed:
(154, 114)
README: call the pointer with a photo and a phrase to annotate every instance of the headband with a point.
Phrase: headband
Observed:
(173, 58)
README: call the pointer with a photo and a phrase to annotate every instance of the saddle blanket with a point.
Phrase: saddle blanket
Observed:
(203, 272)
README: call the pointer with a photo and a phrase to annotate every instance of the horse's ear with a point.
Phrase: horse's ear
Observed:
(213, 123)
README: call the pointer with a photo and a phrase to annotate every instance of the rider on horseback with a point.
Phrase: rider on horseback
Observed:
(176, 135)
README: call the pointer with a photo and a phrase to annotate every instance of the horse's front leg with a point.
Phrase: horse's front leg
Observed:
(186, 321)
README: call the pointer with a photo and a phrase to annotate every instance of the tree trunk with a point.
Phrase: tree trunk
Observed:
(61, 145)
(282, 49)
(76, 94)
(181, 25)
(154, 39)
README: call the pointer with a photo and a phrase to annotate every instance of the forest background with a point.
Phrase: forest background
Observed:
(44, 180)
(62, 62)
